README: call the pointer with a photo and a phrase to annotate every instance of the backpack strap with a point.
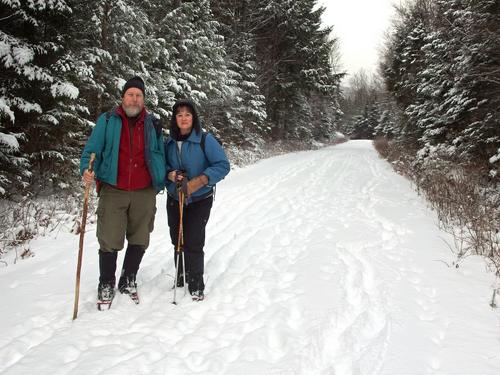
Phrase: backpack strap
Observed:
(108, 116)
(202, 145)
(98, 183)
(158, 126)
(202, 142)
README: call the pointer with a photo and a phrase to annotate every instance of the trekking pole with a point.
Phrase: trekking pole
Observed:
(493, 303)
(181, 207)
(180, 244)
(82, 235)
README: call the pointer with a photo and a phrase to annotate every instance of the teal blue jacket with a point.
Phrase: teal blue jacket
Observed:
(212, 162)
(105, 143)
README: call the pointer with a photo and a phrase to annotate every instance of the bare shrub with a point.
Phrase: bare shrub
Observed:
(381, 144)
(466, 200)
(22, 221)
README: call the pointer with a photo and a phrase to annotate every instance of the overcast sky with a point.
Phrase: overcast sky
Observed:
(359, 26)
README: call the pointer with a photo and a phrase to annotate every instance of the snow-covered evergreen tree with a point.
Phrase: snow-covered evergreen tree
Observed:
(477, 74)
(37, 101)
(245, 109)
(364, 125)
(359, 127)
(389, 119)
(294, 54)
(254, 67)
(441, 65)
(186, 58)
(109, 43)
(243, 112)
(404, 60)
(318, 74)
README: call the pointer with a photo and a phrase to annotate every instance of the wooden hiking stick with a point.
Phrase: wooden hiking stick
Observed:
(82, 235)
(180, 243)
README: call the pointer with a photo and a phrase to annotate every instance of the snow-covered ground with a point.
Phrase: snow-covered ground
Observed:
(320, 262)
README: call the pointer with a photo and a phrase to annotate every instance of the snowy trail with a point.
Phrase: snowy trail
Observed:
(322, 262)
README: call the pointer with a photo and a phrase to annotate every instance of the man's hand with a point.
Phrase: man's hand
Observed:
(88, 177)
(194, 184)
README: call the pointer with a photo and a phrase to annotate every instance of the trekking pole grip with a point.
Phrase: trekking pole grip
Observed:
(91, 162)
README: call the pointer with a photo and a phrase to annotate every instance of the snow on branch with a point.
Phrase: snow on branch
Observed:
(495, 158)
(5, 109)
(64, 89)
(9, 142)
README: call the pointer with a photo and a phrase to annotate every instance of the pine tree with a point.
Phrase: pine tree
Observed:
(293, 52)
(188, 60)
(109, 42)
(442, 67)
(389, 119)
(161, 56)
(477, 73)
(318, 77)
(364, 125)
(404, 60)
(244, 111)
(37, 100)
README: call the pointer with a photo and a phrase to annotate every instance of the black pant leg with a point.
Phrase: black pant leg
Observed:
(173, 219)
(132, 260)
(173, 225)
(195, 219)
(107, 266)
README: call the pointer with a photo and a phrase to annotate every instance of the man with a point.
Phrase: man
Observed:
(130, 169)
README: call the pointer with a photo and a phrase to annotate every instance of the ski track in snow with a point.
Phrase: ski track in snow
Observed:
(319, 262)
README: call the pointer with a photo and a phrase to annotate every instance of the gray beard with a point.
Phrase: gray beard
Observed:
(132, 111)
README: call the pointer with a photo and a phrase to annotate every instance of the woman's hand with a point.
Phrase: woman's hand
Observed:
(171, 176)
(175, 176)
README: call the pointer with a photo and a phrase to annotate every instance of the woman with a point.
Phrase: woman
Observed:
(195, 162)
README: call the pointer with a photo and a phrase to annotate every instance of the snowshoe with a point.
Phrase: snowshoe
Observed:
(105, 295)
(127, 285)
(197, 295)
(196, 287)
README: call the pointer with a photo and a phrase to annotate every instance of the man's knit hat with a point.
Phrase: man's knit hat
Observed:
(134, 82)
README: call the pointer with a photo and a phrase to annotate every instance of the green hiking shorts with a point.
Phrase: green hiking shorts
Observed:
(125, 214)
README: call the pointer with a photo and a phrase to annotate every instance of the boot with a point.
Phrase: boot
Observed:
(107, 279)
(127, 285)
(196, 286)
(107, 267)
(105, 293)
(133, 257)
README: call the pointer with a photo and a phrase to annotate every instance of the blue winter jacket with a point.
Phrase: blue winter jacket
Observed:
(105, 143)
(213, 163)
